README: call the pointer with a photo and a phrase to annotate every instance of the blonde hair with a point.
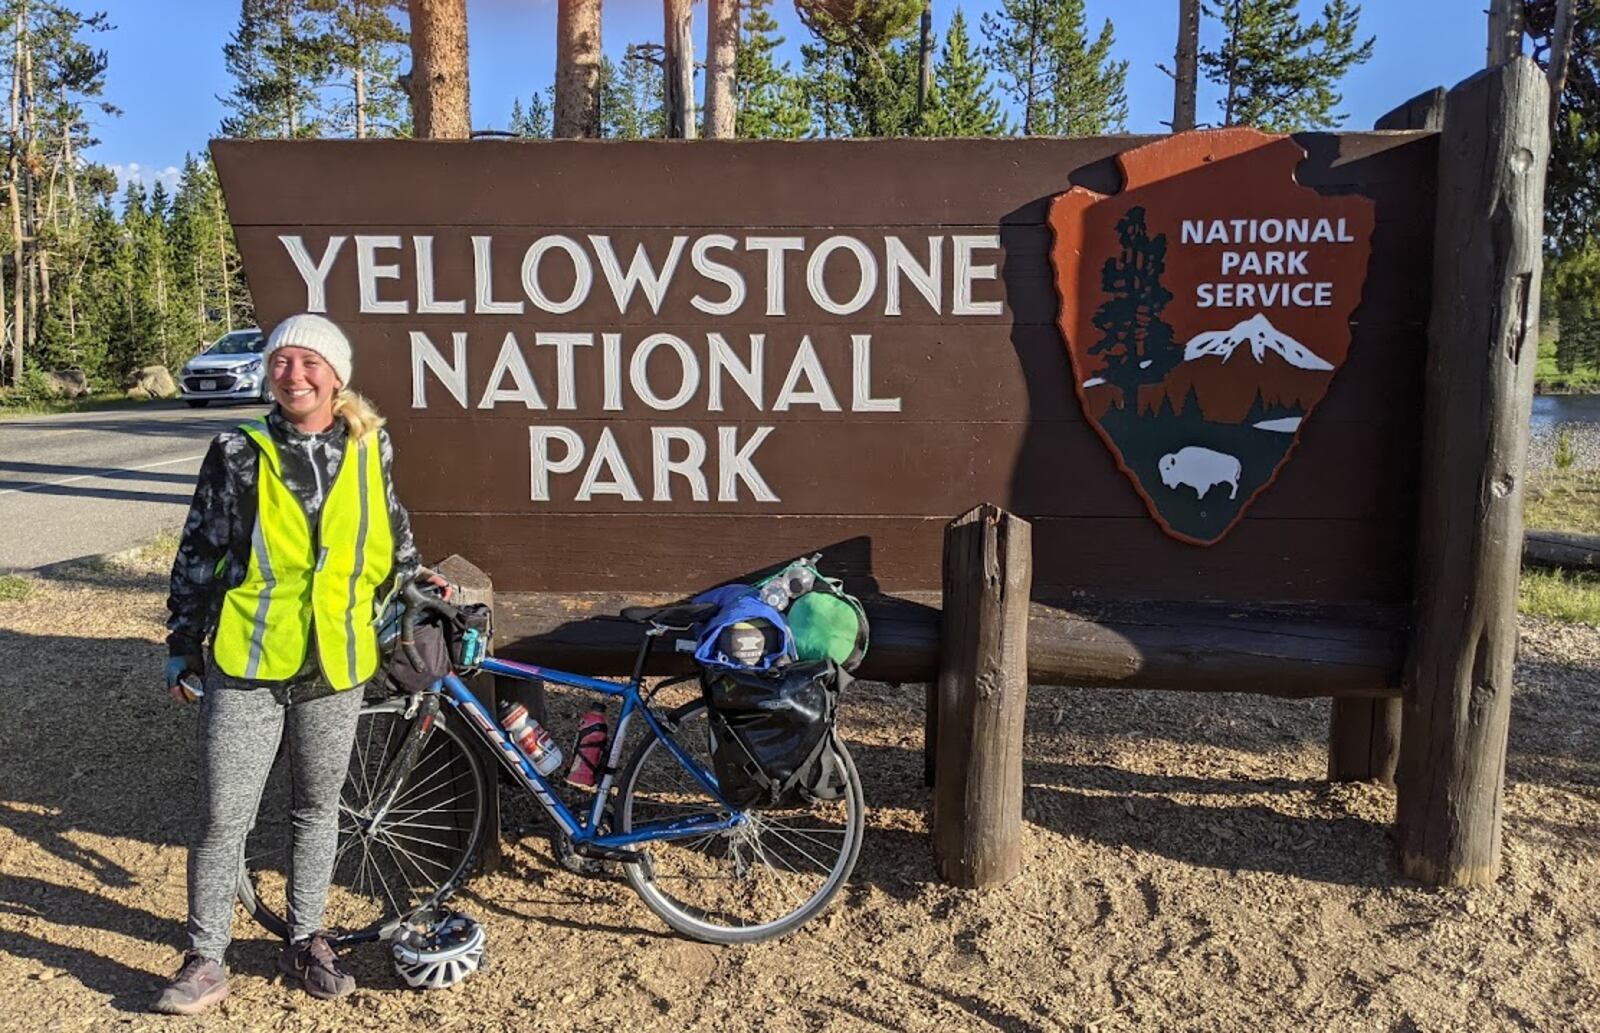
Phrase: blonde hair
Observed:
(358, 413)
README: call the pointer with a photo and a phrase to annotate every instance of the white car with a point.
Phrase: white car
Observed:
(228, 371)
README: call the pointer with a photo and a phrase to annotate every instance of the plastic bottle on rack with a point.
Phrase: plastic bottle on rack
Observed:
(531, 738)
(590, 750)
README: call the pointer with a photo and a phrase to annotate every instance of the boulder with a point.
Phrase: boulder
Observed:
(152, 382)
(67, 383)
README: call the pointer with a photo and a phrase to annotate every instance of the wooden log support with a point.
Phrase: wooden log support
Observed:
(1478, 396)
(1364, 734)
(1364, 740)
(474, 586)
(983, 690)
(1561, 549)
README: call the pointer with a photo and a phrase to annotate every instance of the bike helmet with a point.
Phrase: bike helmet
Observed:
(438, 948)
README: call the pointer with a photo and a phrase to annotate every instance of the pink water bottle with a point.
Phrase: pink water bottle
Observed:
(531, 738)
(589, 753)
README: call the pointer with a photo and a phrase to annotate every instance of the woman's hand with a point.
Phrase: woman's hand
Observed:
(177, 668)
(446, 588)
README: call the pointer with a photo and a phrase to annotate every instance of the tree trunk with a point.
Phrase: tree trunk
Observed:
(925, 60)
(1505, 30)
(1186, 78)
(1560, 58)
(678, 66)
(440, 102)
(577, 102)
(14, 196)
(1483, 333)
(722, 52)
(223, 272)
(358, 47)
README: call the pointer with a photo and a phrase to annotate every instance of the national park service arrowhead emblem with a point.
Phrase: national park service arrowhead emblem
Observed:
(1206, 308)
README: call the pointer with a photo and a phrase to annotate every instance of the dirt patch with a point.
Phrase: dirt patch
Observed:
(1186, 868)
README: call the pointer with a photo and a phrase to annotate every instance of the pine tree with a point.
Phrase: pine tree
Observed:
(823, 80)
(366, 50)
(280, 57)
(770, 102)
(1277, 73)
(862, 73)
(1138, 345)
(963, 103)
(1063, 84)
(632, 97)
(533, 121)
(1572, 185)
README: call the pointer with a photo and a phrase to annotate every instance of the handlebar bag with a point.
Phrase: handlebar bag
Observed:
(772, 732)
(432, 649)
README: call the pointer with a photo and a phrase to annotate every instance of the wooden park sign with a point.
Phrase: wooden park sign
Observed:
(630, 367)
(653, 366)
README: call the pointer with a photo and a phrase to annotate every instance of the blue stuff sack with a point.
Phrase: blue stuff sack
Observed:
(741, 605)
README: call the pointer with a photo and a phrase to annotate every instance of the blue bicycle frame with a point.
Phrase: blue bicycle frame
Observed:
(584, 832)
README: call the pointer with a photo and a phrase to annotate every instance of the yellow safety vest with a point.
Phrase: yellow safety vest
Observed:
(297, 580)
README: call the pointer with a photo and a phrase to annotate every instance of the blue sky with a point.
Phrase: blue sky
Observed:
(166, 61)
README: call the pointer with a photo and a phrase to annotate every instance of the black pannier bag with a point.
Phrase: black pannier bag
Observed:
(772, 740)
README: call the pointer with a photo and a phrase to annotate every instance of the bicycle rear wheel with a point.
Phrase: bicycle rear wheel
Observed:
(759, 880)
(416, 856)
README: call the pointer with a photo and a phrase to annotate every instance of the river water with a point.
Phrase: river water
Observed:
(1550, 410)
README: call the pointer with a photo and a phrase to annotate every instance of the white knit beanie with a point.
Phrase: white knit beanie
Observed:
(313, 333)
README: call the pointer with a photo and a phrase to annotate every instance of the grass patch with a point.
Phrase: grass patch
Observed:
(159, 550)
(1564, 500)
(14, 588)
(18, 406)
(1559, 595)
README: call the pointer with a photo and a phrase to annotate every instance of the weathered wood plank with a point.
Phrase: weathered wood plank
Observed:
(983, 695)
(1262, 561)
(1483, 336)
(1282, 651)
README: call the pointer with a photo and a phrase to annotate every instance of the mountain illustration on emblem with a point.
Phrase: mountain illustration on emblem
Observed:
(1201, 382)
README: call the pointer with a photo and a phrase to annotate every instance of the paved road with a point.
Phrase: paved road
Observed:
(80, 484)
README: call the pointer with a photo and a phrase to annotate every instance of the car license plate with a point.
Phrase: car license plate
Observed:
(208, 385)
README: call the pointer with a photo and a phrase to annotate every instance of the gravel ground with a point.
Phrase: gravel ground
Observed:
(1585, 438)
(1186, 867)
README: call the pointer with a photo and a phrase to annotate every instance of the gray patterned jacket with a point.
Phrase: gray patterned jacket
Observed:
(215, 551)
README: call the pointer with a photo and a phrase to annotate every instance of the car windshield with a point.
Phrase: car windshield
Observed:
(240, 342)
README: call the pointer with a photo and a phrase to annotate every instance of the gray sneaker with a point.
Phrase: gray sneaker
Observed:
(199, 984)
(317, 967)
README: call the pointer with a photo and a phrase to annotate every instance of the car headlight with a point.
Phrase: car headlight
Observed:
(250, 367)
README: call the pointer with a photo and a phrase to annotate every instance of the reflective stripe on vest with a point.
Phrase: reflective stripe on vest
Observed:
(295, 580)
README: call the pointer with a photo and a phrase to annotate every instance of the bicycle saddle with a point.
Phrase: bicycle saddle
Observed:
(677, 616)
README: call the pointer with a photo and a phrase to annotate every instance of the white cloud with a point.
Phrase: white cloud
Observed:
(149, 177)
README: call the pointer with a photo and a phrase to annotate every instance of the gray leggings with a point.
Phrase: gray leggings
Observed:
(239, 733)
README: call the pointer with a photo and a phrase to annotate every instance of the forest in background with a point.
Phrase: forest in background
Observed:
(108, 280)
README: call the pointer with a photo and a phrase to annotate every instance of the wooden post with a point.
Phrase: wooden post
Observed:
(983, 691)
(474, 586)
(1478, 396)
(1364, 734)
(1505, 31)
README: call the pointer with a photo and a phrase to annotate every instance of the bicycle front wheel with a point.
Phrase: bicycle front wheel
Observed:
(415, 856)
(761, 879)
